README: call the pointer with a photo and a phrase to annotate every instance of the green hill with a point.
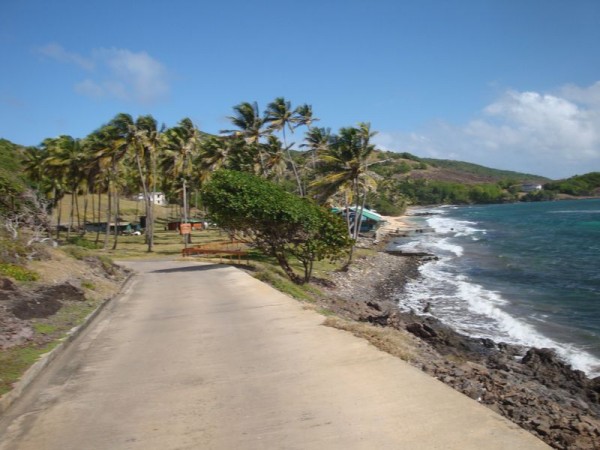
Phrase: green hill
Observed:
(579, 185)
(411, 167)
(12, 184)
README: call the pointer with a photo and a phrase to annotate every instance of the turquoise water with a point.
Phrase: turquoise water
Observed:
(526, 273)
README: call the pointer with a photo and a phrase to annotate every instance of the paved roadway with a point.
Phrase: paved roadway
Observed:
(196, 356)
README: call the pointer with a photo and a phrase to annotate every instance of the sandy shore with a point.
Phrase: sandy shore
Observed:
(531, 387)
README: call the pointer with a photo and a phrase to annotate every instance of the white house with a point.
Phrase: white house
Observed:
(531, 187)
(158, 198)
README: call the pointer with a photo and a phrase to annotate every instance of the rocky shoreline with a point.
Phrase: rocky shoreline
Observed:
(532, 387)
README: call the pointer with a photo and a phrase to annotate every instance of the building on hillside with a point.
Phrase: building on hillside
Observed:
(158, 198)
(531, 187)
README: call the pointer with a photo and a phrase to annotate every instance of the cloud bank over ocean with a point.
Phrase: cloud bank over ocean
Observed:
(524, 131)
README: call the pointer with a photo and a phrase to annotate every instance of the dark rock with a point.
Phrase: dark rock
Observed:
(374, 305)
(6, 284)
(381, 319)
(420, 331)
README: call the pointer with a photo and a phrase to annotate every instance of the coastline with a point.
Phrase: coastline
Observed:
(532, 387)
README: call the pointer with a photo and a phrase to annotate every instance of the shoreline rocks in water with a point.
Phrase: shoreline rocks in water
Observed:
(532, 387)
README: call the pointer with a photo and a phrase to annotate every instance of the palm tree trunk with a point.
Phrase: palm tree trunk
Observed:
(99, 216)
(58, 219)
(108, 214)
(77, 212)
(116, 218)
(148, 204)
(294, 169)
(85, 207)
(72, 208)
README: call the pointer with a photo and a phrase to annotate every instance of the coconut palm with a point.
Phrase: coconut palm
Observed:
(280, 116)
(304, 116)
(110, 145)
(251, 127)
(68, 159)
(214, 154)
(48, 181)
(180, 146)
(144, 139)
(345, 169)
(275, 160)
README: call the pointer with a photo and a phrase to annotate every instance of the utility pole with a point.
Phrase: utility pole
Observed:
(185, 214)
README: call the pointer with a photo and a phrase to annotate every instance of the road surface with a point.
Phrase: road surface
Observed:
(203, 356)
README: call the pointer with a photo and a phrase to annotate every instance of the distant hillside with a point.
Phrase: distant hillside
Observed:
(12, 184)
(579, 185)
(407, 166)
(485, 172)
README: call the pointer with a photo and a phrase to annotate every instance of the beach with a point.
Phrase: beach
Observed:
(532, 387)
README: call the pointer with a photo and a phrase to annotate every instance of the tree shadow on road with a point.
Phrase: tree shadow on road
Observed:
(199, 268)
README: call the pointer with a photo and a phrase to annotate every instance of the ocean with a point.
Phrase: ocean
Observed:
(523, 273)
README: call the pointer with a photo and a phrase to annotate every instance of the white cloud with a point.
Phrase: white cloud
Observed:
(90, 88)
(556, 135)
(116, 73)
(586, 96)
(58, 53)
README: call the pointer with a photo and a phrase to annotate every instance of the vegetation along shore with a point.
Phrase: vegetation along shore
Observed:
(302, 215)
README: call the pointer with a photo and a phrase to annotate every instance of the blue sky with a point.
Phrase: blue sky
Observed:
(511, 84)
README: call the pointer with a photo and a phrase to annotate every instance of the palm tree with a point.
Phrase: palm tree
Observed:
(279, 115)
(305, 118)
(251, 127)
(49, 182)
(345, 167)
(180, 145)
(144, 139)
(214, 154)
(111, 144)
(317, 140)
(68, 157)
(275, 160)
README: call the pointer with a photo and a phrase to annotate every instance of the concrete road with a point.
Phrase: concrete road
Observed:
(196, 356)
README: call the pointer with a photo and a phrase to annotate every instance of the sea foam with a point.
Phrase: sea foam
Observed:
(467, 306)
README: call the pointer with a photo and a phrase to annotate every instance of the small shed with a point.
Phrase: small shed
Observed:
(369, 221)
(196, 224)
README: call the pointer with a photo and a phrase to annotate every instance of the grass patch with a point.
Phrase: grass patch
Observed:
(271, 273)
(18, 273)
(389, 340)
(44, 328)
(76, 251)
(50, 330)
(88, 285)
(15, 361)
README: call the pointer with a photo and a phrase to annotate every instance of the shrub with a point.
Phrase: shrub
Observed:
(279, 223)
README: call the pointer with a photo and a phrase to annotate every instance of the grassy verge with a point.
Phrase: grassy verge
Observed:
(16, 360)
(48, 332)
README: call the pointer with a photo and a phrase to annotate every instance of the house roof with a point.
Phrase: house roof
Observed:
(366, 213)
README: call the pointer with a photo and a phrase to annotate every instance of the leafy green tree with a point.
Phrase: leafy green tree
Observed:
(279, 223)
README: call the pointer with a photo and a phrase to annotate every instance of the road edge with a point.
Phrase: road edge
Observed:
(45, 359)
